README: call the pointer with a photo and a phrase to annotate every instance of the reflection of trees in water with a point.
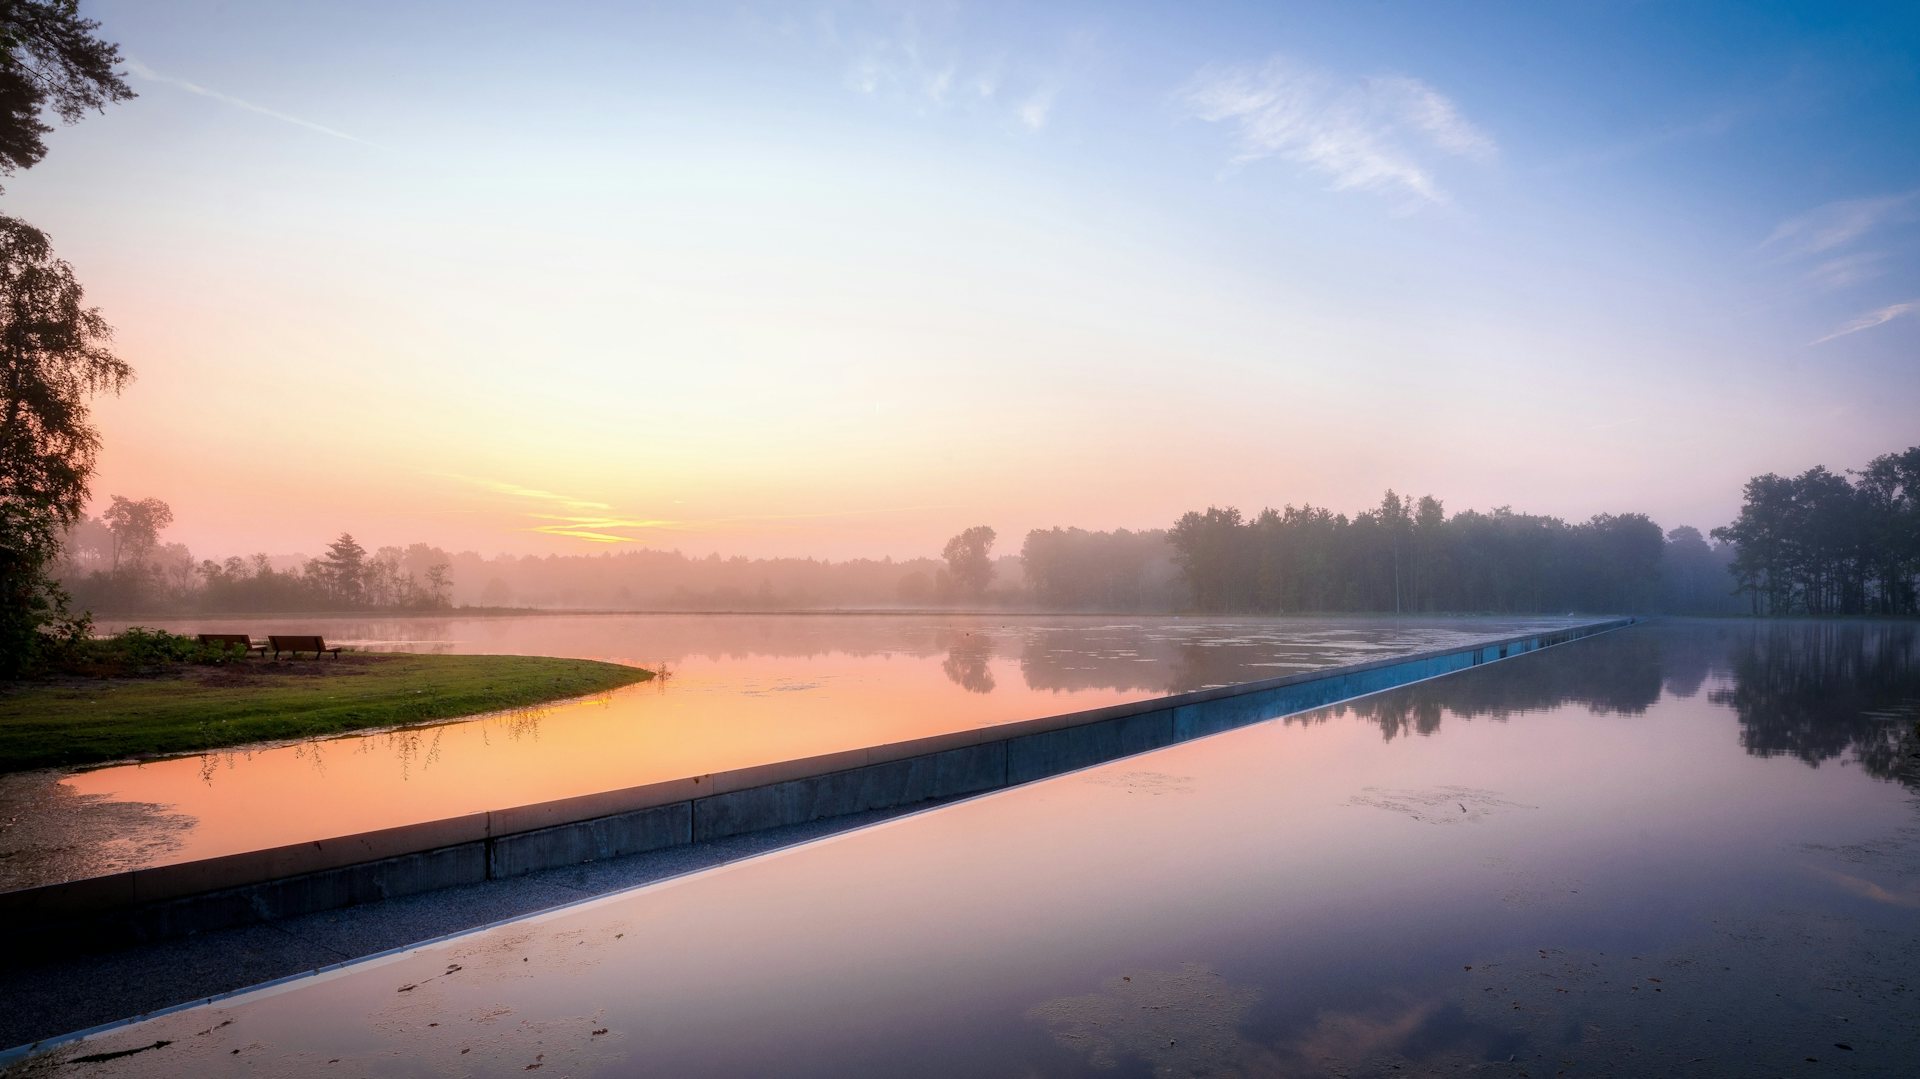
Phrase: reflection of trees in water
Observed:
(1811, 690)
(1815, 690)
(1692, 652)
(519, 723)
(313, 752)
(966, 663)
(211, 761)
(411, 745)
(1615, 673)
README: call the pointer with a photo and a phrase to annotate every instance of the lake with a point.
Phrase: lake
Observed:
(1676, 849)
(741, 690)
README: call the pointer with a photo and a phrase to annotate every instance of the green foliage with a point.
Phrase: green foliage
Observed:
(1818, 543)
(69, 648)
(27, 597)
(53, 357)
(53, 353)
(1408, 556)
(189, 708)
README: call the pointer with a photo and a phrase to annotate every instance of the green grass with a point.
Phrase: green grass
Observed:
(76, 721)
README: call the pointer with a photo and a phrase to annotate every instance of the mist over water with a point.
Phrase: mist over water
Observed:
(1677, 848)
(740, 690)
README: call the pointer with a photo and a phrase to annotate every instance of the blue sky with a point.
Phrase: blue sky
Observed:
(845, 278)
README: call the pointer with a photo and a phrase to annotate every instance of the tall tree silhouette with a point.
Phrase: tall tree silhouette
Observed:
(969, 558)
(50, 60)
(1819, 544)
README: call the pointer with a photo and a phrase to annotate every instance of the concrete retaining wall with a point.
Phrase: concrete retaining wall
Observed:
(187, 897)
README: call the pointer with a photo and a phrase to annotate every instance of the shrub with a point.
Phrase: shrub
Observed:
(136, 651)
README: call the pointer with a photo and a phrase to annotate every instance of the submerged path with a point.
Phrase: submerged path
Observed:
(60, 993)
(180, 898)
(268, 951)
(1617, 857)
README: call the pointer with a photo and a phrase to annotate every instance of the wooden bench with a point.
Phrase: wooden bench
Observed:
(233, 640)
(296, 644)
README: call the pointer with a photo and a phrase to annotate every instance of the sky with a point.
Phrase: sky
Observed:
(844, 279)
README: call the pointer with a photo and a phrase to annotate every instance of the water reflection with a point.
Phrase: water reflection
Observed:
(1818, 691)
(1065, 654)
(1180, 1022)
(966, 663)
(1560, 875)
(1813, 691)
(1624, 675)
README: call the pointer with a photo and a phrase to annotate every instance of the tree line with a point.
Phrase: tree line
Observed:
(1821, 543)
(1403, 556)
(117, 562)
(1813, 544)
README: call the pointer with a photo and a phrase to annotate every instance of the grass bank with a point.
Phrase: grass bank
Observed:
(74, 721)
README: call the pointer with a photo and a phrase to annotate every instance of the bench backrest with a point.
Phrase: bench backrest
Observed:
(227, 640)
(285, 643)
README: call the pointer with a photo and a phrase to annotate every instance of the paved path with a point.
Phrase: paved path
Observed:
(50, 998)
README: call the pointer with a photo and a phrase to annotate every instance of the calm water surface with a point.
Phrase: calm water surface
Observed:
(743, 690)
(1677, 849)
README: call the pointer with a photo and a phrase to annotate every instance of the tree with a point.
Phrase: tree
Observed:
(344, 569)
(1818, 544)
(53, 353)
(53, 357)
(1396, 518)
(439, 586)
(1429, 550)
(136, 528)
(1693, 575)
(969, 561)
(1211, 550)
(49, 59)
(1890, 491)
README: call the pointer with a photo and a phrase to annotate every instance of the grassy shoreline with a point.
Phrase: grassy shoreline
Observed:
(78, 721)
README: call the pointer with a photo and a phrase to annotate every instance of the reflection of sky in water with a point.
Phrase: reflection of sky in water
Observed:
(1608, 858)
(743, 690)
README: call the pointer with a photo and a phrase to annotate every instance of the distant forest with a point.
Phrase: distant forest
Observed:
(1818, 543)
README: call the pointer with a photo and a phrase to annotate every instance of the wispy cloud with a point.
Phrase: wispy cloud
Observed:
(142, 71)
(572, 517)
(1843, 271)
(1871, 319)
(1375, 133)
(921, 56)
(1033, 112)
(1844, 244)
(619, 529)
(1838, 224)
(514, 490)
(601, 529)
